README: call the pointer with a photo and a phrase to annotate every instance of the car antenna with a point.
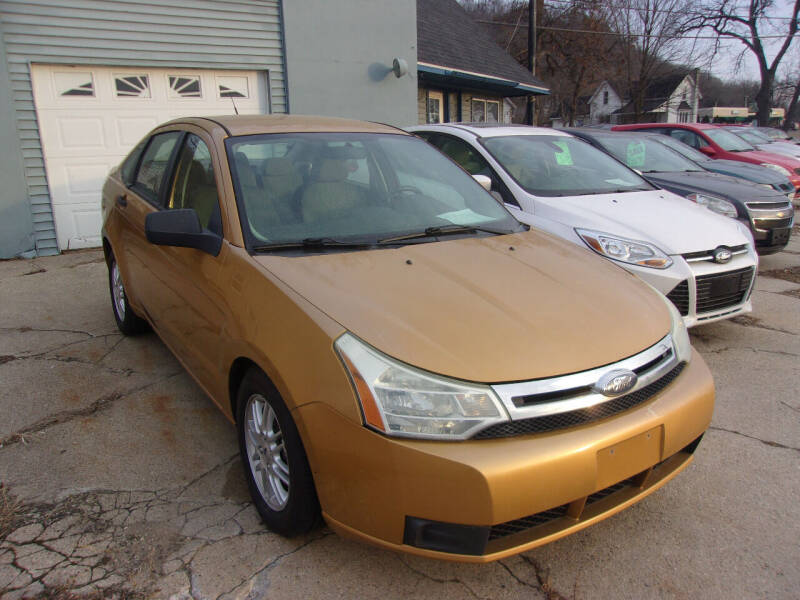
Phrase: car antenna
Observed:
(235, 110)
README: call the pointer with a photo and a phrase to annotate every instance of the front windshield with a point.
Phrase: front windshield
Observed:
(550, 165)
(683, 149)
(751, 137)
(352, 187)
(646, 155)
(775, 134)
(727, 141)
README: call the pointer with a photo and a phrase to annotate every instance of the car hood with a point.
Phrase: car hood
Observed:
(674, 224)
(781, 148)
(490, 309)
(716, 184)
(755, 173)
(770, 157)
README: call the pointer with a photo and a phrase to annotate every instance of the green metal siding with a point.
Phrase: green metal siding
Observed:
(201, 34)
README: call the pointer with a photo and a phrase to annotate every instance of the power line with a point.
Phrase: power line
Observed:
(622, 34)
(655, 10)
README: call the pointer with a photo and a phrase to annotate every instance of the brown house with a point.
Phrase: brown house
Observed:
(463, 75)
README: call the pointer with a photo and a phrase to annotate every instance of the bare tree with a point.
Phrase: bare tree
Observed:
(749, 24)
(651, 30)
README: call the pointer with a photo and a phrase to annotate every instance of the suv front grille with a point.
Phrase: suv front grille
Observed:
(679, 296)
(578, 417)
(721, 290)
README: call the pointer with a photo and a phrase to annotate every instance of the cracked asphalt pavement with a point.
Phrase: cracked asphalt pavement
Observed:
(121, 479)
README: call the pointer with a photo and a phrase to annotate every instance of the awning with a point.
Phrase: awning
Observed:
(456, 78)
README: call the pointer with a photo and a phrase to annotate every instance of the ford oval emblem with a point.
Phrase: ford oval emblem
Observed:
(722, 255)
(616, 383)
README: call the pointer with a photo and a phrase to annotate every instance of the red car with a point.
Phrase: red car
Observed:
(718, 143)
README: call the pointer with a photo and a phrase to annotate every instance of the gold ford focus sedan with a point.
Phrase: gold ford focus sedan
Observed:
(400, 356)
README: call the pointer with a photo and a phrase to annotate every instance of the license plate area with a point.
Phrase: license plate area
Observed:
(779, 235)
(629, 457)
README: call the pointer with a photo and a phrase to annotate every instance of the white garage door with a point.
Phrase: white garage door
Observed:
(91, 117)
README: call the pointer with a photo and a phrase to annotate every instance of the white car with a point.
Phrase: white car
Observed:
(703, 262)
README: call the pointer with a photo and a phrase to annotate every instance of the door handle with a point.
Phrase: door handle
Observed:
(122, 200)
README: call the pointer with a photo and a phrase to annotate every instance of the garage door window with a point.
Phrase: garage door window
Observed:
(184, 86)
(132, 86)
(150, 178)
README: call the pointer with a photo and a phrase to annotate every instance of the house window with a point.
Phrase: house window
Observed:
(605, 97)
(184, 86)
(485, 111)
(74, 83)
(132, 86)
(684, 116)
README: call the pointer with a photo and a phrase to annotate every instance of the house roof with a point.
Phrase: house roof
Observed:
(455, 51)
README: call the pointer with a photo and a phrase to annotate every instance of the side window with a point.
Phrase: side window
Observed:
(153, 167)
(128, 168)
(688, 137)
(471, 160)
(194, 185)
(463, 154)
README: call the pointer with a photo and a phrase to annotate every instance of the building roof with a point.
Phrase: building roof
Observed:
(454, 50)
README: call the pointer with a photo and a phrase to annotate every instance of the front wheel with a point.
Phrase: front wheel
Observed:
(274, 460)
(128, 322)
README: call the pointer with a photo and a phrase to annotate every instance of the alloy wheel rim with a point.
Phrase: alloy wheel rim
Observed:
(266, 452)
(118, 291)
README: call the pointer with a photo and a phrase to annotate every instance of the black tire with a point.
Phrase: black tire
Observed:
(128, 322)
(300, 512)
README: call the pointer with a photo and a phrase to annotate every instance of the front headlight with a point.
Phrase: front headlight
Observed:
(714, 204)
(400, 400)
(624, 250)
(680, 335)
(777, 168)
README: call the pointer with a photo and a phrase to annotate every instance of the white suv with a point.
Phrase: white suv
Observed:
(703, 262)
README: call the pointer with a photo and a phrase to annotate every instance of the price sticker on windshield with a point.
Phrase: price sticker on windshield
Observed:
(636, 155)
(565, 156)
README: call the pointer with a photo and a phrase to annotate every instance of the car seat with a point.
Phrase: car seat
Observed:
(329, 195)
(281, 182)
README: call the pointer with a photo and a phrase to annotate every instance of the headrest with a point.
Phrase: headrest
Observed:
(278, 166)
(245, 170)
(332, 170)
(345, 152)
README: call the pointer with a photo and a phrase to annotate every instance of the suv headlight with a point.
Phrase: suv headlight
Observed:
(715, 204)
(777, 168)
(624, 250)
(400, 400)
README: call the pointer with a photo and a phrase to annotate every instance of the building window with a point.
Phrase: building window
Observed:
(184, 86)
(485, 111)
(74, 83)
(684, 116)
(435, 107)
(233, 86)
(605, 97)
(132, 86)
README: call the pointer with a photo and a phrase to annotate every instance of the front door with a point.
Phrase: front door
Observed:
(435, 107)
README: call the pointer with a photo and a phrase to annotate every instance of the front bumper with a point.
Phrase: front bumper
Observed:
(370, 485)
(680, 284)
(771, 228)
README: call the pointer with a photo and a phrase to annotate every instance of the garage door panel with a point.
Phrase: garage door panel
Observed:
(91, 117)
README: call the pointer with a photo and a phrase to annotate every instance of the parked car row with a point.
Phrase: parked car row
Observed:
(448, 365)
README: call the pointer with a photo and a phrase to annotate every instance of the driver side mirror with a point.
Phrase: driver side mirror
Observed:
(486, 182)
(180, 227)
(708, 150)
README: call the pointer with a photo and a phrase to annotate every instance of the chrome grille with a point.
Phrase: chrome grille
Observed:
(768, 205)
(708, 255)
(772, 223)
(573, 418)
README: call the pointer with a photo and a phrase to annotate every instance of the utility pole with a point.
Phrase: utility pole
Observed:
(529, 107)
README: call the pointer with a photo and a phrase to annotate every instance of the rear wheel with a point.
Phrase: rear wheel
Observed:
(274, 460)
(128, 322)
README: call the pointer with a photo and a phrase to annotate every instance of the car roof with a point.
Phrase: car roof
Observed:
(605, 133)
(254, 124)
(486, 130)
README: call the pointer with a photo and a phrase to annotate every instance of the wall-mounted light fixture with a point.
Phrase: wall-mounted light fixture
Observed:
(399, 67)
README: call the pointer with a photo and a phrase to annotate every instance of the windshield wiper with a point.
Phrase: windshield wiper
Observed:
(313, 244)
(444, 230)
